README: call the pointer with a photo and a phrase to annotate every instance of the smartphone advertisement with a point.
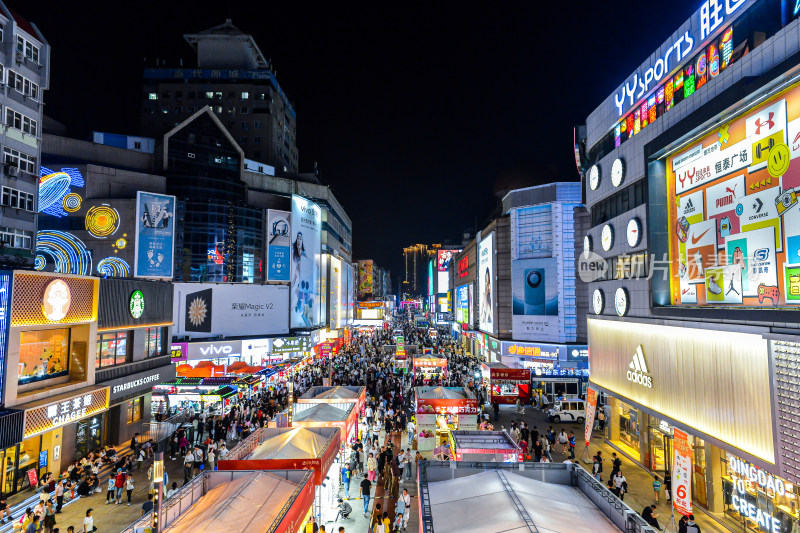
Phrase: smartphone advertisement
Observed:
(534, 289)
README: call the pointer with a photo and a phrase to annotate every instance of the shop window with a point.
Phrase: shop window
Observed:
(43, 355)
(135, 410)
(154, 341)
(112, 349)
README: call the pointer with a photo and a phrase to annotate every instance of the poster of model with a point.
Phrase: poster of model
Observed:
(364, 278)
(155, 235)
(534, 289)
(486, 292)
(306, 234)
(279, 242)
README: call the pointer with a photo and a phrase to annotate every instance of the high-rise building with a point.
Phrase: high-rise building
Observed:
(24, 75)
(692, 177)
(234, 78)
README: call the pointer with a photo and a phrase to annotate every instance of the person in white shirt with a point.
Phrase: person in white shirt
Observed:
(188, 464)
(407, 501)
(410, 428)
(88, 522)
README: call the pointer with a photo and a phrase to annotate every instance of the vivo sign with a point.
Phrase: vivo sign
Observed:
(711, 15)
(213, 350)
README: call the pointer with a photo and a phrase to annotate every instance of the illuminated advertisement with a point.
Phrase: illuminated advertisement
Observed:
(5, 296)
(210, 309)
(486, 292)
(305, 263)
(335, 297)
(734, 216)
(534, 288)
(443, 260)
(364, 277)
(462, 304)
(279, 242)
(155, 235)
(430, 278)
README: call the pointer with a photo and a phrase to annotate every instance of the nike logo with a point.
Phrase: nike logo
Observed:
(696, 239)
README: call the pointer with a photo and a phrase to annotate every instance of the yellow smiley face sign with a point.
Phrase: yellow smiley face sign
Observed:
(778, 160)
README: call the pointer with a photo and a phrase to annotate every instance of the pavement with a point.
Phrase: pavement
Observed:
(640, 481)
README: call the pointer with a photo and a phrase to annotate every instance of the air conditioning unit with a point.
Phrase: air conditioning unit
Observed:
(13, 172)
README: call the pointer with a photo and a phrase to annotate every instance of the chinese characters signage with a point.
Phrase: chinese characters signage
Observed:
(56, 414)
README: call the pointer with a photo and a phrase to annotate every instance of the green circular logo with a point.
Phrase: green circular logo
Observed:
(137, 304)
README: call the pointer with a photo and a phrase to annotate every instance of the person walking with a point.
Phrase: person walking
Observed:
(617, 481)
(372, 467)
(407, 501)
(597, 467)
(571, 440)
(667, 487)
(410, 428)
(88, 522)
(188, 464)
(110, 492)
(129, 486)
(366, 487)
(49, 521)
(346, 481)
(656, 488)
(563, 440)
(119, 485)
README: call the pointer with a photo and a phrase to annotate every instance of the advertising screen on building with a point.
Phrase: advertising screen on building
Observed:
(534, 287)
(364, 277)
(279, 242)
(155, 235)
(305, 262)
(486, 292)
(734, 216)
(462, 304)
(208, 309)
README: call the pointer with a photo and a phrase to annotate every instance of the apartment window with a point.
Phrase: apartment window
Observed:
(28, 49)
(113, 349)
(17, 199)
(257, 140)
(18, 159)
(135, 410)
(152, 96)
(21, 122)
(257, 124)
(2, 31)
(137, 145)
(210, 94)
(262, 96)
(16, 238)
(23, 85)
(245, 125)
(218, 95)
(153, 341)
(243, 110)
(245, 95)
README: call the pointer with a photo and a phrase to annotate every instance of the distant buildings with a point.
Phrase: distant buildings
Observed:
(238, 83)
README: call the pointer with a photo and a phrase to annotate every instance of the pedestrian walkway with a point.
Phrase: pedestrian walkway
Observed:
(640, 481)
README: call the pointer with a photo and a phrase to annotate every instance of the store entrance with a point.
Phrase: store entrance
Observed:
(89, 435)
(660, 450)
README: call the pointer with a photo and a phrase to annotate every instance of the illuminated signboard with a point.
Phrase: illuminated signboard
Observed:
(462, 304)
(463, 267)
(734, 217)
(56, 414)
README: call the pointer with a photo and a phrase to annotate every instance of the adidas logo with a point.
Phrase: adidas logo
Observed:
(689, 207)
(638, 368)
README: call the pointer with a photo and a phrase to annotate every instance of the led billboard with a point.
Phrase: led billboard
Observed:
(486, 286)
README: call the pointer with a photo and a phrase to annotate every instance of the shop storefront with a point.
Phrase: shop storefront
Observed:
(657, 378)
(130, 401)
(429, 367)
(440, 410)
(57, 431)
(506, 385)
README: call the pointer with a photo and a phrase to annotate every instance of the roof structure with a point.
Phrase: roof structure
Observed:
(333, 393)
(321, 412)
(299, 443)
(500, 501)
(446, 393)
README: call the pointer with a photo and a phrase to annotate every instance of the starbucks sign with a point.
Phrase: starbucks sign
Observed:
(137, 304)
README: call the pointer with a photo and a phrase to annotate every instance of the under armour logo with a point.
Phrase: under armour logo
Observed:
(769, 122)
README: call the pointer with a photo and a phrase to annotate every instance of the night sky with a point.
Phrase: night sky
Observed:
(415, 115)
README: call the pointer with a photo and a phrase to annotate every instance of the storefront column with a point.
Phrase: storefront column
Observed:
(716, 502)
(612, 419)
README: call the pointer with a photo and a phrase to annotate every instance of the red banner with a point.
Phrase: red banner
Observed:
(591, 407)
(510, 374)
(681, 472)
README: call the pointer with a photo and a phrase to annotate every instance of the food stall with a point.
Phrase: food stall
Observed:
(219, 402)
(338, 396)
(440, 410)
(429, 366)
(506, 384)
(485, 446)
(294, 448)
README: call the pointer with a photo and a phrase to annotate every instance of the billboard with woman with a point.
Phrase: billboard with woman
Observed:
(306, 231)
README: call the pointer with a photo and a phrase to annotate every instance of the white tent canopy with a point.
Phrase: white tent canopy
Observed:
(320, 412)
(480, 504)
(338, 393)
(449, 393)
(299, 443)
(249, 503)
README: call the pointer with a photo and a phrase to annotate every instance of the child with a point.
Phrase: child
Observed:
(398, 521)
(656, 487)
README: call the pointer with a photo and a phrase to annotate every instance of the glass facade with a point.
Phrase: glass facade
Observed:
(43, 355)
(221, 238)
(112, 348)
(154, 339)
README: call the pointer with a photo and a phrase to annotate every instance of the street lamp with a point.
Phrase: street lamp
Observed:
(158, 485)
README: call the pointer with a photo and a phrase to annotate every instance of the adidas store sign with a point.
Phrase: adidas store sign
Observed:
(637, 370)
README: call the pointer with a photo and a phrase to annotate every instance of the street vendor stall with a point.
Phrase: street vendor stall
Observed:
(440, 410)
(429, 366)
(339, 396)
(324, 415)
(506, 385)
(220, 401)
(295, 448)
(485, 446)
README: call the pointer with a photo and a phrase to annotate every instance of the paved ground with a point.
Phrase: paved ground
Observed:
(639, 480)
